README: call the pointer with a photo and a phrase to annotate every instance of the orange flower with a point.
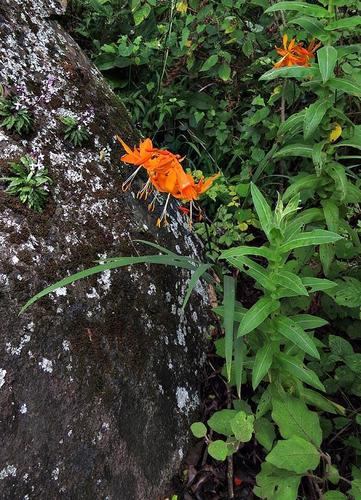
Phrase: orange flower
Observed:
(295, 54)
(307, 54)
(289, 53)
(165, 175)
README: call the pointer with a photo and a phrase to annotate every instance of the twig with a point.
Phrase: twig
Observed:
(230, 458)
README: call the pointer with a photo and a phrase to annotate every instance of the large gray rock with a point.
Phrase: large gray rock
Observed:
(98, 382)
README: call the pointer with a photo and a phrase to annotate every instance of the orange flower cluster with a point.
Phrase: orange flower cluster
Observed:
(294, 54)
(165, 175)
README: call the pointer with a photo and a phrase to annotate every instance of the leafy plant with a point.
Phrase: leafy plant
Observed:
(13, 114)
(29, 182)
(74, 132)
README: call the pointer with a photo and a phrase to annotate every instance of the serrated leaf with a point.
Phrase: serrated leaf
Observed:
(257, 314)
(276, 484)
(327, 59)
(314, 115)
(294, 454)
(294, 419)
(293, 332)
(262, 364)
(347, 293)
(242, 426)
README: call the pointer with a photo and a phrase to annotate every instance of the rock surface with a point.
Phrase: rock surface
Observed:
(99, 381)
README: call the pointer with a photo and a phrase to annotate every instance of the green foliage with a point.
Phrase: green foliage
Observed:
(29, 182)
(198, 78)
(13, 115)
(74, 132)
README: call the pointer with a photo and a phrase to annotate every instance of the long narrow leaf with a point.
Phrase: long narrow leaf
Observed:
(229, 298)
(120, 262)
(198, 273)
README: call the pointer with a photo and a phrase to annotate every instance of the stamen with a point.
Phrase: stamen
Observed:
(128, 182)
(145, 191)
(163, 217)
(151, 205)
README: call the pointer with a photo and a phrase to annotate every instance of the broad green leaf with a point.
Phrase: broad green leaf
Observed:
(242, 426)
(293, 332)
(344, 24)
(347, 293)
(245, 250)
(257, 314)
(262, 364)
(327, 255)
(319, 157)
(276, 484)
(290, 72)
(345, 85)
(294, 419)
(303, 7)
(218, 449)
(353, 193)
(209, 63)
(229, 286)
(348, 144)
(332, 214)
(318, 284)
(314, 115)
(327, 58)
(254, 270)
(220, 421)
(315, 399)
(292, 126)
(295, 368)
(305, 182)
(263, 209)
(224, 72)
(141, 14)
(313, 26)
(294, 454)
(265, 433)
(303, 150)
(308, 322)
(338, 174)
(355, 490)
(199, 430)
(333, 495)
(303, 218)
(113, 264)
(291, 281)
(315, 237)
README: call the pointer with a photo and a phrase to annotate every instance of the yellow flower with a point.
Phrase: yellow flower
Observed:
(335, 132)
(182, 6)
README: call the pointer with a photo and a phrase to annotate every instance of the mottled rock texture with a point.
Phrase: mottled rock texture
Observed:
(98, 382)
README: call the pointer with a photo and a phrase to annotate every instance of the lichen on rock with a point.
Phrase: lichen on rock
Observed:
(97, 381)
